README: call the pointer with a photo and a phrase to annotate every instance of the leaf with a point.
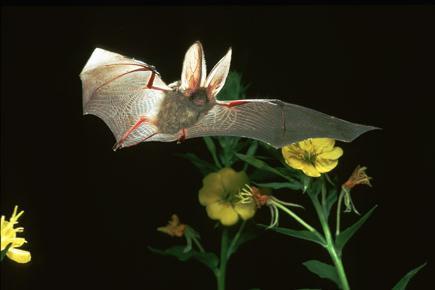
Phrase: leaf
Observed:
(206, 258)
(260, 164)
(292, 175)
(212, 148)
(345, 235)
(272, 151)
(314, 186)
(322, 270)
(279, 185)
(300, 234)
(401, 285)
(250, 152)
(228, 145)
(330, 201)
(203, 166)
(233, 88)
(247, 235)
(209, 259)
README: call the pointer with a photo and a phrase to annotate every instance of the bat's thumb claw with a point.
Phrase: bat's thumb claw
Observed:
(116, 146)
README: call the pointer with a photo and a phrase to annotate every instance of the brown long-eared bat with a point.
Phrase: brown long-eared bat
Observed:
(132, 99)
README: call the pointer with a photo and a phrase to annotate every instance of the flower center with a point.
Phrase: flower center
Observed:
(309, 157)
(230, 197)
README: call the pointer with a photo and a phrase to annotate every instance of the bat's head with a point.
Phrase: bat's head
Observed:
(195, 84)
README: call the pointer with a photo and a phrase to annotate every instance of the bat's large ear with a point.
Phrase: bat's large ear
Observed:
(218, 75)
(194, 69)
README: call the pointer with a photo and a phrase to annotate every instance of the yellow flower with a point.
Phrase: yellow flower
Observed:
(174, 227)
(313, 156)
(219, 195)
(9, 237)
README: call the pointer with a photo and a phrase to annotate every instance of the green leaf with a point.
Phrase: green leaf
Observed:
(228, 145)
(401, 285)
(3, 253)
(250, 152)
(247, 235)
(203, 166)
(314, 186)
(300, 234)
(260, 164)
(209, 259)
(322, 270)
(345, 235)
(206, 258)
(279, 185)
(330, 201)
(233, 88)
(212, 148)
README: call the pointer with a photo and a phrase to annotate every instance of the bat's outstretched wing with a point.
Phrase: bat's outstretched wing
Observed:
(274, 122)
(125, 93)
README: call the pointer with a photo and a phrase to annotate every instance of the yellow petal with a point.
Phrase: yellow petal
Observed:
(5, 241)
(325, 165)
(212, 189)
(223, 212)
(207, 196)
(211, 179)
(310, 170)
(18, 242)
(233, 181)
(229, 216)
(291, 151)
(306, 145)
(296, 163)
(321, 145)
(19, 256)
(334, 154)
(245, 211)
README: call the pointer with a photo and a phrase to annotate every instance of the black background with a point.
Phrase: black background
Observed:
(90, 213)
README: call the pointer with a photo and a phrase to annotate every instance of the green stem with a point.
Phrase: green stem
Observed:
(198, 244)
(300, 220)
(340, 201)
(336, 259)
(221, 272)
(235, 239)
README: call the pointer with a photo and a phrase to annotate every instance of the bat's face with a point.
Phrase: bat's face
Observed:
(199, 98)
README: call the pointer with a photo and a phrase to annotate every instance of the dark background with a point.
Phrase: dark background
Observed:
(90, 213)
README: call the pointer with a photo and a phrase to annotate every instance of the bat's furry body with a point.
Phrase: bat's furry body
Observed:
(178, 112)
(138, 106)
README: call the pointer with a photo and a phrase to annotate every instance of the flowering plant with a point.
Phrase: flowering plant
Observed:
(246, 176)
(10, 243)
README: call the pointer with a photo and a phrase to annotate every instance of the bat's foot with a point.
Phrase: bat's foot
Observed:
(124, 137)
(182, 134)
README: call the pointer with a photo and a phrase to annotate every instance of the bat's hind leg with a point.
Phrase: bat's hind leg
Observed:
(128, 134)
(182, 134)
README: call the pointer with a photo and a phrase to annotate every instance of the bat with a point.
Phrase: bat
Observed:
(138, 106)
